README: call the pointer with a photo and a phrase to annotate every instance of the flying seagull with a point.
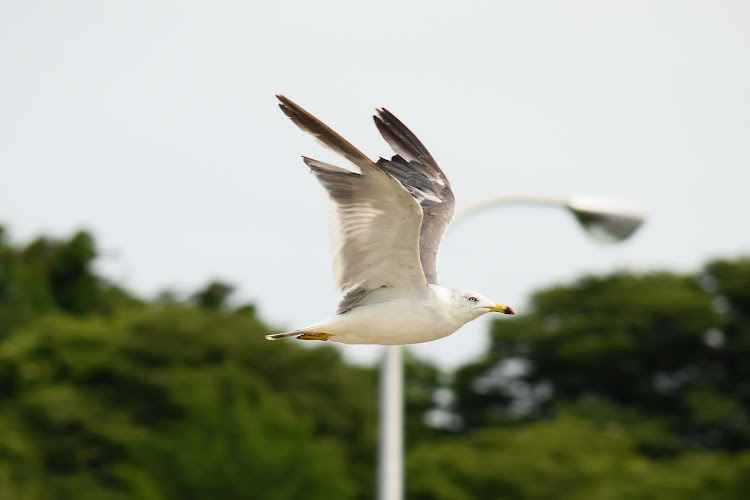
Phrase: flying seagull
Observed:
(386, 224)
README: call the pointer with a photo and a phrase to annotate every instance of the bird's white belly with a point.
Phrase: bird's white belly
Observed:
(400, 321)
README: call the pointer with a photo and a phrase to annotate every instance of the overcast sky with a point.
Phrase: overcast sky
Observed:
(154, 125)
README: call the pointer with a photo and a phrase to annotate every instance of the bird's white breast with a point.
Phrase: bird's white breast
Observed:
(408, 320)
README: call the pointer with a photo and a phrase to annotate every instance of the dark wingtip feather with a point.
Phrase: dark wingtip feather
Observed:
(402, 140)
(322, 132)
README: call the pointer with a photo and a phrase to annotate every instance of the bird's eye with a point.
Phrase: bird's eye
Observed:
(472, 299)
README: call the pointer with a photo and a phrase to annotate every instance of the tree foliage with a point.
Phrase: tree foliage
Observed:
(53, 275)
(180, 403)
(614, 387)
(661, 352)
(179, 400)
(571, 458)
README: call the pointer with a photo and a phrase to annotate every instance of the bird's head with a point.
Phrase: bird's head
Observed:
(473, 304)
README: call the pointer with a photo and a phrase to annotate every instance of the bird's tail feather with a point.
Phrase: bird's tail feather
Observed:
(278, 336)
(310, 333)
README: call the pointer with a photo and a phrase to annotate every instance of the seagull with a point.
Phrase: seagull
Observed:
(386, 223)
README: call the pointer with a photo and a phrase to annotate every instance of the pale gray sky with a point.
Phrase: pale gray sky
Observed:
(154, 125)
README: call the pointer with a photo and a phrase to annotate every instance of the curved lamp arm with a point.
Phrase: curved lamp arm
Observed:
(602, 219)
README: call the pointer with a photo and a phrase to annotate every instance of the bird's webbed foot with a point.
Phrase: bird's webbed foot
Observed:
(314, 336)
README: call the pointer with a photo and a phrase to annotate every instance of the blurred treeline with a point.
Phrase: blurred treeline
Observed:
(617, 387)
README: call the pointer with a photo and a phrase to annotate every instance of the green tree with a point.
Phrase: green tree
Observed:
(567, 458)
(622, 386)
(423, 381)
(53, 275)
(237, 440)
(179, 402)
(661, 347)
(214, 295)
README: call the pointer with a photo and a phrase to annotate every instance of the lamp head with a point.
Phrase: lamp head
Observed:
(605, 220)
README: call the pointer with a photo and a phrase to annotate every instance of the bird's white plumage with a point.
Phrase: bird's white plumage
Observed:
(386, 223)
(407, 319)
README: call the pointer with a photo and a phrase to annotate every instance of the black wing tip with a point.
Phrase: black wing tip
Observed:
(390, 127)
(378, 119)
(384, 117)
(288, 111)
(292, 109)
(383, 112)
(289, 107)
(284, 99)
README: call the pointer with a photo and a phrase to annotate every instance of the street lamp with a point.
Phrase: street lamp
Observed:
(602, 219)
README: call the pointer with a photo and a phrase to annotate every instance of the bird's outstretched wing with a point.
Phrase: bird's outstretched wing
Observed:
(417, 170)
(374, 221)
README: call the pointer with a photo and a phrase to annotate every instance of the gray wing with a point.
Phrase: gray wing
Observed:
(374, 221)
(417, 170)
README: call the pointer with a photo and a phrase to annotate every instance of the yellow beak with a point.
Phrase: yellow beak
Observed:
(502, 308)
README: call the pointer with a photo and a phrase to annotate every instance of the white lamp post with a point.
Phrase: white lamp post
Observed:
(391, 426)
(603, 220)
